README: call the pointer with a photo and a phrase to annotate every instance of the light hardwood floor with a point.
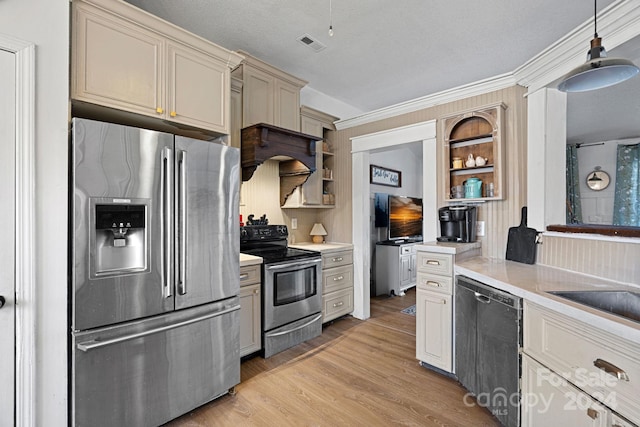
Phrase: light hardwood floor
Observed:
(357, 373)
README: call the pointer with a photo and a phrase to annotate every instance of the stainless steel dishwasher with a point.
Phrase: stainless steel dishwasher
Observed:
(488, 337)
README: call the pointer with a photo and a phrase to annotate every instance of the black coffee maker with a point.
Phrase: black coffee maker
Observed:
(458, 223)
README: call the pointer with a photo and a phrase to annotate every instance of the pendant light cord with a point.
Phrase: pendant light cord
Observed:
(330, 20)
(595, 19)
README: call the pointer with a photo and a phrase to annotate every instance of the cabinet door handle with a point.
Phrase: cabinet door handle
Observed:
(611, 369)
(432, 283)
(338, 259)
(338, 304)
(256, 291)
(433, 262)
(335, 279)
(173, 114)
(244, 276)
(159, 110)
(592, 413)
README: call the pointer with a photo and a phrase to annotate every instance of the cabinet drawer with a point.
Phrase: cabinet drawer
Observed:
(430, 282)
(337, 259)
(250, 275)
(337, 304)
(435, 263)
(406, 250)
(572, 349)
(337, 278)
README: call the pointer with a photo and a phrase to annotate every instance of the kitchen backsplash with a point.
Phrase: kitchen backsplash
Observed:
(261, 196)
(609, 259)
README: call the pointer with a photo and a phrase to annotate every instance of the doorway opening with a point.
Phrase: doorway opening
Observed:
(361, 148)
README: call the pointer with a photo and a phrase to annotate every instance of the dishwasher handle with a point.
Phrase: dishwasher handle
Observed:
(482, 298)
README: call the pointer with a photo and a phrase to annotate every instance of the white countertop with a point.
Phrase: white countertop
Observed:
(246, 259)
(532, 282)
(448, 247)
(322, 247)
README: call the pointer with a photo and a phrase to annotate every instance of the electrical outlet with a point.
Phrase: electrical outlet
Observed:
(294, 223)
(480, 228)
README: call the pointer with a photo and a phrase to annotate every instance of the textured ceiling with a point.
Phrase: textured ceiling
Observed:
(385, 52)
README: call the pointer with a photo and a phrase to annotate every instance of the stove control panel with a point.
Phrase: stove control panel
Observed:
(263, 232)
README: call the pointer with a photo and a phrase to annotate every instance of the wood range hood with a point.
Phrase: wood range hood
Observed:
(297, 150)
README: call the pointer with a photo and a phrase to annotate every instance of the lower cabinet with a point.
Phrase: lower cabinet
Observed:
(434, 338)
(434, 309)
(250, 310)
(337, 284)
(597, 372)
(395, 267)
(550, 400)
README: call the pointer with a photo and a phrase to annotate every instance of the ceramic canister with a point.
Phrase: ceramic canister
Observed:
(473, 188)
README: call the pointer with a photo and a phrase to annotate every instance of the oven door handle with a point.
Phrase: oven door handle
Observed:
(301, 263)
(277, 334)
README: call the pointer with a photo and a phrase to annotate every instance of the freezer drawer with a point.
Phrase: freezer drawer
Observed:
(147, 372)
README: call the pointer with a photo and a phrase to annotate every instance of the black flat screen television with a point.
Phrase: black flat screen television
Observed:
(405, 217)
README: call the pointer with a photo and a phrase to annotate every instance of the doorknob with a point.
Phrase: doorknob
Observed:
(2, 301)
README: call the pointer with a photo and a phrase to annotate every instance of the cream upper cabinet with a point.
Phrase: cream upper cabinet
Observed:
(125, 59)
(198, 93)
(269, 95)
(287, 105)
(257, 97)
(116, 62)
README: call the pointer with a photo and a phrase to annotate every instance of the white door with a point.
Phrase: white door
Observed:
(7, 235)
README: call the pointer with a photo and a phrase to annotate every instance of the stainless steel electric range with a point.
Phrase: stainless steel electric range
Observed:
(291, 287)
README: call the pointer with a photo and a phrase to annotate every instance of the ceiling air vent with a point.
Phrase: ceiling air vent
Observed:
(307, 40)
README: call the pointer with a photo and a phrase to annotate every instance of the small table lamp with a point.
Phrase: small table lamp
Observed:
(317, 232)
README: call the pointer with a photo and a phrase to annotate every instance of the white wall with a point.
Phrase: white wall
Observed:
(405, 159)
(46, 24)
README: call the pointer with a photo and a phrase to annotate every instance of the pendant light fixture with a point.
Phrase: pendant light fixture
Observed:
(599, 71)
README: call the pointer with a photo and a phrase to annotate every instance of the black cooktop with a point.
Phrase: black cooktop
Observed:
(270, 243)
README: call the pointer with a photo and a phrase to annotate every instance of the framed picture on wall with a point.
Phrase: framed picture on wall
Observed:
(383, 176)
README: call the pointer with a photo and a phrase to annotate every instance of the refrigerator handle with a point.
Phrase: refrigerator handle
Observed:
(166, 219)
(98, 343)
(182, 219)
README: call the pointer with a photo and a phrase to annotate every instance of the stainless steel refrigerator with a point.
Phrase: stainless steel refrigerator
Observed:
(154, 274)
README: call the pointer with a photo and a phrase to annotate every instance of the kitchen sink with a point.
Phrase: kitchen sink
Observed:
(622, 303)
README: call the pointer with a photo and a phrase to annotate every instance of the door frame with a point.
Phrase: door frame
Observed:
(25, 276)
(361, 146)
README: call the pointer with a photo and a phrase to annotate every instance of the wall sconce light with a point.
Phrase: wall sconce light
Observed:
(317, 233)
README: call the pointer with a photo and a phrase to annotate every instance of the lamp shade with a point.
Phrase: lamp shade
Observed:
(317, 232)
(597, 74)
(599, 71)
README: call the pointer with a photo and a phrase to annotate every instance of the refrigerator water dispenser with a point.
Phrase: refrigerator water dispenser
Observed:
(119, 239)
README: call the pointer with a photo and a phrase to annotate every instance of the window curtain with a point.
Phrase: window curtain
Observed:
(574, 207)
(626, 202)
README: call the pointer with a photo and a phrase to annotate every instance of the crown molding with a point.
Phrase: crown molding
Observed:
(617, 23)
(477, 88)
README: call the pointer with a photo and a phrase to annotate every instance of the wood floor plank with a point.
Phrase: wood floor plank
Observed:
(357, 373)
